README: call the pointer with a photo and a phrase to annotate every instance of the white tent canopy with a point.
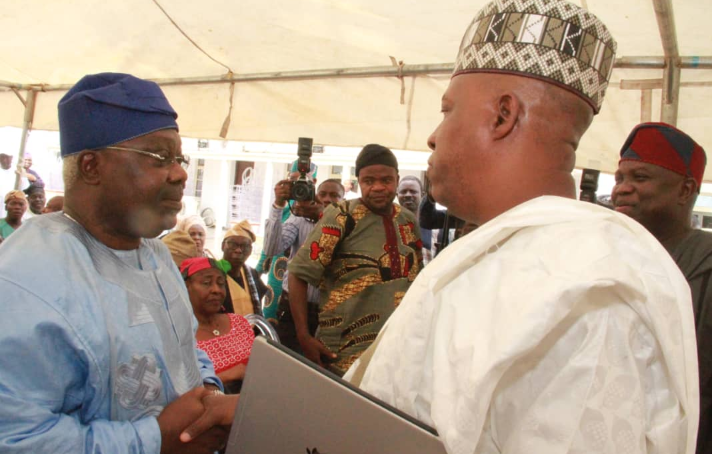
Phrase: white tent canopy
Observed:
(323, 68)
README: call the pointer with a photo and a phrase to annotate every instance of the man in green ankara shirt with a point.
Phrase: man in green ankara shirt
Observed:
(363, 254)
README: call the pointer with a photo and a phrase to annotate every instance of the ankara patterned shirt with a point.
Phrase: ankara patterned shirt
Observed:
(363, 264)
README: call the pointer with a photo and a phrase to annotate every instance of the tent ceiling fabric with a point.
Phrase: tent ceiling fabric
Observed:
(57, 43)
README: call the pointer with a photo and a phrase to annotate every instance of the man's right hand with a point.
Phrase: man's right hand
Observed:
(314, 350)
(282, 191)
(181, 413)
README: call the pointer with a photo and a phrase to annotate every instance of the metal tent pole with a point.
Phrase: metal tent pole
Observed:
(671, 73)
(26, 128)
(694, 62)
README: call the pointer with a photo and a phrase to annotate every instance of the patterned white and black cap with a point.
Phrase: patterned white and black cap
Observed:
(551, 40)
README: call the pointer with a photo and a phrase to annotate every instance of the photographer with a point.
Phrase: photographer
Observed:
(280, 236)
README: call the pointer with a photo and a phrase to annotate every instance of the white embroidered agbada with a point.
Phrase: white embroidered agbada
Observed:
(557, 327)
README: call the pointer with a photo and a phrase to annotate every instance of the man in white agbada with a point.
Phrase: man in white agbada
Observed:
(557, 326)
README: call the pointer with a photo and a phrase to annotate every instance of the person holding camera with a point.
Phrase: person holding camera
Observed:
(275, 266)
(363, 254)
(288, 236)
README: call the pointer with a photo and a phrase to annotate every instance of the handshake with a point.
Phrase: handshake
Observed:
(197, 422)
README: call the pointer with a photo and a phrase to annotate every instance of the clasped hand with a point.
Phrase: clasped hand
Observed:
(197, 422)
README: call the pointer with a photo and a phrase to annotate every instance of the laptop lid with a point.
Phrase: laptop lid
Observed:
(290, 405)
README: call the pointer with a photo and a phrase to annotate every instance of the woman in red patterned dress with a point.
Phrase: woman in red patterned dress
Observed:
(226, 338)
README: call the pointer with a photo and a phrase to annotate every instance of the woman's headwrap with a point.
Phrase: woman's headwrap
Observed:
(181, 246)
(186, 223)
(192, 265)
(243, 228)
(15, 194)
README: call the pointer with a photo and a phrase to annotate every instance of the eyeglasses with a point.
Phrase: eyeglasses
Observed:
(183, 161)
(234, 245)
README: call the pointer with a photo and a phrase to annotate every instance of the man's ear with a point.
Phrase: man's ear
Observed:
(688, 191)
(88, 170)
(508, 110)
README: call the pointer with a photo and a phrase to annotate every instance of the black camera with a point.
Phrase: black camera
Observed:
(589, 185)
(303, 187)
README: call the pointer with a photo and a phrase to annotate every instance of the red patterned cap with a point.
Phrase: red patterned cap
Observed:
(666, 146)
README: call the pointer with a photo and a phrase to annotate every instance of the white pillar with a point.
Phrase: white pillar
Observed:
(267, 192)
(222, 203)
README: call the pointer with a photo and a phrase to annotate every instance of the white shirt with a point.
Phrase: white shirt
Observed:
(558, 327)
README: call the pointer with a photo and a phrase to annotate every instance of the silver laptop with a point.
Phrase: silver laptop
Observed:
(290, 405)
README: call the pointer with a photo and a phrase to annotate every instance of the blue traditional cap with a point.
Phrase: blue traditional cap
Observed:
(105, 109)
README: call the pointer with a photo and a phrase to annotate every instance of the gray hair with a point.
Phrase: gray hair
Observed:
(70, 170)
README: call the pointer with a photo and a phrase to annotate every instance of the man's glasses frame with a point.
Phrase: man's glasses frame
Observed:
(230, 245)
(183, 161)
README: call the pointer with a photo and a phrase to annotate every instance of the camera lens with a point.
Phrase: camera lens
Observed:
(301, 192)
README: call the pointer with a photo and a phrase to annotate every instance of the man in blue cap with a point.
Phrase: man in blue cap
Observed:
(99, 355)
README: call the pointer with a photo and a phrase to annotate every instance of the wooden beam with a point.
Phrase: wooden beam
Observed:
(671, 93)
(671, 73)
(656, 84)
(641, 84)
(26, 128)
(646, 106)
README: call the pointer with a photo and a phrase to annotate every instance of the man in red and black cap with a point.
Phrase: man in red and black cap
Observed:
(658, 179)
(657, 183)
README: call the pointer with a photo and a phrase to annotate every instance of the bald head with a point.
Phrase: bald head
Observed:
(5, 161)
(55, 204)
(504, 139)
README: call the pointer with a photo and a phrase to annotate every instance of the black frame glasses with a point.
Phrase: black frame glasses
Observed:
(183, 161)
(230, 245)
